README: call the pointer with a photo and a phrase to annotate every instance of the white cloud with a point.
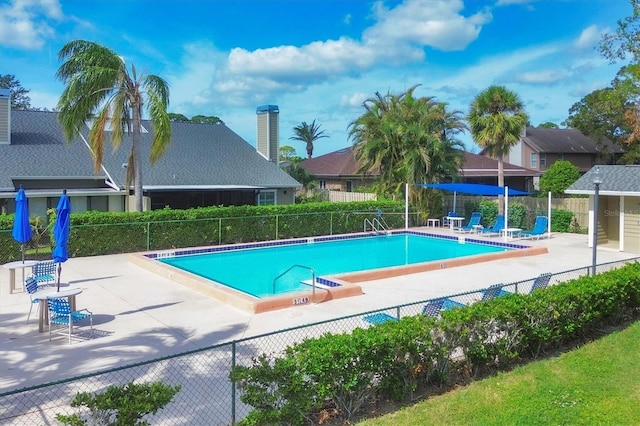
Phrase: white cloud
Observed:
(398, 36)
(25, 24)
(354, 100)
(589, 38)
(542, 76)
(435, 23)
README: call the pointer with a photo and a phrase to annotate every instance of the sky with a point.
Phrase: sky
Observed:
(320, 59)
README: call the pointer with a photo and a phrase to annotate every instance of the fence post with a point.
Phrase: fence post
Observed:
(219, 231)
(148, 236)
(233, 386)
(277, 227)
(330, 223)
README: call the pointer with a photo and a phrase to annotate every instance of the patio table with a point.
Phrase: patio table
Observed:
(12, 266)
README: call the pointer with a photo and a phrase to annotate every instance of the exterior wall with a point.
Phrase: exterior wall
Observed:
(340, 184)
(611, 218)
(116, 203)
(286, 196)
(268, 137)
(631, 223)
(583, 162)
(515, 156)
(5, 116)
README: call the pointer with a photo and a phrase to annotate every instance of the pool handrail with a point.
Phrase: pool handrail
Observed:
(381, 228)
(313, 279)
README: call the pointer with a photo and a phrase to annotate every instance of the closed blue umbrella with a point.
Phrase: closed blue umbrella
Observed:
(61, 232)
(21, 227)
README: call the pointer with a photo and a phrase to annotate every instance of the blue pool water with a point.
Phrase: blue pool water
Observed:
(253, 270)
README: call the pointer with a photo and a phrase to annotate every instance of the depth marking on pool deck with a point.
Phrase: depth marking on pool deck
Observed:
(348, 281)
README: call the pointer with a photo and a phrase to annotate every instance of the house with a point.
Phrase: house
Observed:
(337, 171)
(538, 148)
(618, 223)
(204, 165)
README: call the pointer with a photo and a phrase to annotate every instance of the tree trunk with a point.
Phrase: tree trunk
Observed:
(135, 150)
(501, 183)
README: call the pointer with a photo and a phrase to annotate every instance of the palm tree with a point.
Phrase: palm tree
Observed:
(497, 119)
(308, 133)
(100, 89)
(407, 140)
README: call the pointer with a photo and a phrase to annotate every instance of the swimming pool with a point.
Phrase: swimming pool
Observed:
(263, 271)
(330, 283)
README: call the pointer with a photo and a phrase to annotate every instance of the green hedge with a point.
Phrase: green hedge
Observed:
(394, 359)
(98, 233)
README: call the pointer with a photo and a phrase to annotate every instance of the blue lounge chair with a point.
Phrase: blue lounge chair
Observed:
(542, 281)
(433, 308)
(492, 292)
(379, 318)
(496, 228)
(473, 221)
(539, 228)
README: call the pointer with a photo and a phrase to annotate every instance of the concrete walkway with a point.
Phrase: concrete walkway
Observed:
(140, 316)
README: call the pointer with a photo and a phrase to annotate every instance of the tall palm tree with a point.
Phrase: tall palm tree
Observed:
(308, 133)
(100, 89)
(497, 119)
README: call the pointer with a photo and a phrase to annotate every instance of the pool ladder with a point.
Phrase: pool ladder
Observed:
(313, 279)
(377, 225)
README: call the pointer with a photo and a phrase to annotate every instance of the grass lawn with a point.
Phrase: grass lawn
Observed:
(597, 384)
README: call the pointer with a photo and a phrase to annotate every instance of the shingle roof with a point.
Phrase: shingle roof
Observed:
(342, 163)
(566, 141)
(334, 164)
(199, 155)
(616, 180)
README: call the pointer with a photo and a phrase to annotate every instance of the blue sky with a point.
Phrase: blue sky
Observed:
(319, 59)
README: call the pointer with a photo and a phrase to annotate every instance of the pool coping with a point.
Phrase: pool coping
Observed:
(332, 286)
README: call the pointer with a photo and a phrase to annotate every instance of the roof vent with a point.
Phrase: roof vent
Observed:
(5, 116)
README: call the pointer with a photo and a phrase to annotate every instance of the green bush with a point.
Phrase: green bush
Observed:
(518, 215)
(394, 359)
(120, 405)
(489, 211)
(98, 233)
(561, 220)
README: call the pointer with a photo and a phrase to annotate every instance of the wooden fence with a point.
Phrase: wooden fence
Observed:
(344, 197)
(539, 205)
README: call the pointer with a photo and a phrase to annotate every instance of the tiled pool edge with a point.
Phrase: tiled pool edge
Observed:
(333, 287)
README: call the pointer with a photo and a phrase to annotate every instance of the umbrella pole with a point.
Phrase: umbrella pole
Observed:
(22, 250)
(59, 272)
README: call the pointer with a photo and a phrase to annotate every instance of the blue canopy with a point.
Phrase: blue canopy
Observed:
(21, 227)
(61, 232)
(473, 188)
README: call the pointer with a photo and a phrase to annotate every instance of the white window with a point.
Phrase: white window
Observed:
(534, 160)
(543, 160)
(349, 186)
(322, 184)
(267, 198)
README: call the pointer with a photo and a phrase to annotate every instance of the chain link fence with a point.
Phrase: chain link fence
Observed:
(207, 395)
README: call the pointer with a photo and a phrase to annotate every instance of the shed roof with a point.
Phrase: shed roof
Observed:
(616, 180)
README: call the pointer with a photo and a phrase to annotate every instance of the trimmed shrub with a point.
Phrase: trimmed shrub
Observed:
(394, 359)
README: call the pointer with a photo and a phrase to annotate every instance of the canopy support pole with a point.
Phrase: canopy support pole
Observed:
(549, 213)
(506, 210)
(406, 206)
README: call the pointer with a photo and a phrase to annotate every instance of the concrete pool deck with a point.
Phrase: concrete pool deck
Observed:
(139, 315)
